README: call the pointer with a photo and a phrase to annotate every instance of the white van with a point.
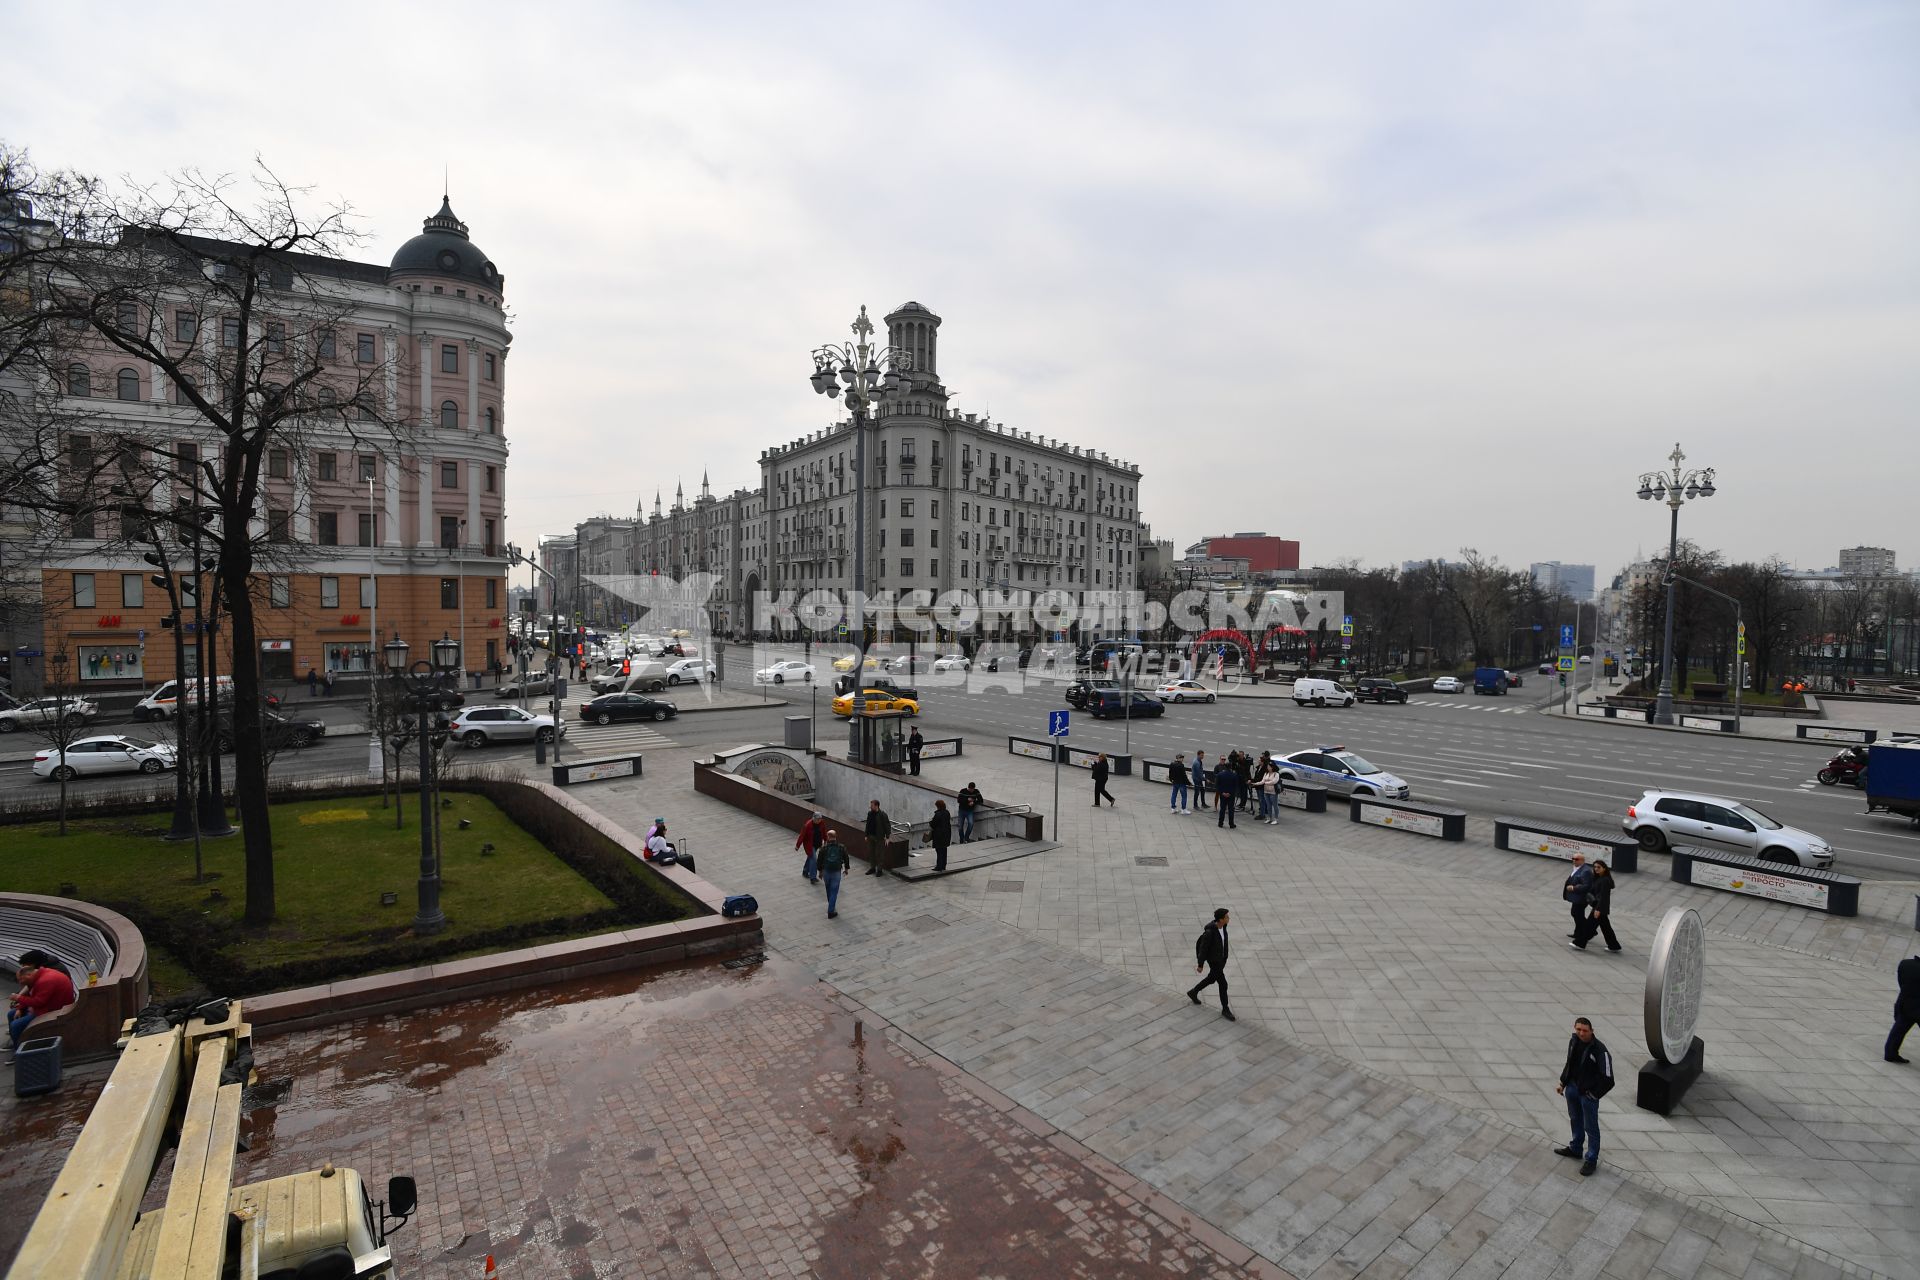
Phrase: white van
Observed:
(164, 701)
(1321, 693)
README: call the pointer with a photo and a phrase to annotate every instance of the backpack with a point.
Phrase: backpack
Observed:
(1200, 948)
(739, 904)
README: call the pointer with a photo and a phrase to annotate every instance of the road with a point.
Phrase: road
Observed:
(1513, 755)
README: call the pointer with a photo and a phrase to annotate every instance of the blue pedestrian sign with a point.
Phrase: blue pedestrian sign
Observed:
(1536, 626)
(1566, 636)
(1056, 724)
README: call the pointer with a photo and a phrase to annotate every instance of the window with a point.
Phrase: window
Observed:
(369, 593)
(491, 545)
(328, 465)
(906, 537)
(906, 568)
(329, 528)
(883, 506)
(449, 593)
(186, 327)
(449, 475)
(133, 590)
(366, 467)
(449, 415)
(329, 593)
(369, 529)
(126, 317)
(277, 464)
(181, 385)
(83, 591)
(489, 366)
(449, 531)
(906, 506)
(933, 538)
(79, 380)
(230, 331)
(323, 344)
(127, 384)
(449, 358)
(189, 590)
(276, 337)
(364, 348)
(935, 512)
(279, 592)
(279, 525)
(493, 593)
(493, 425)
(186, 456)
(493, 479)
(933, 568)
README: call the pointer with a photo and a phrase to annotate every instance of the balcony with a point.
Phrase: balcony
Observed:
(907, 462)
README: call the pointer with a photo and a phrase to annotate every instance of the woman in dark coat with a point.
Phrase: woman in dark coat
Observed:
(1599, 910)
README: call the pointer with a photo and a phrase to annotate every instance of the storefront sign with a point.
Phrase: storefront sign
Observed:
(1425, 824)
(109, 621)
(1566, 847)
(349, 619)
(1760, 884)
(276, 646)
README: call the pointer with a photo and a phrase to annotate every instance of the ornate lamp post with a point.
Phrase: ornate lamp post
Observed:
(1674, 486)
(853, 370)
(420, 684)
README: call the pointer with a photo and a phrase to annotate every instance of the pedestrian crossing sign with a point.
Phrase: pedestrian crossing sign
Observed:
(1566, 664)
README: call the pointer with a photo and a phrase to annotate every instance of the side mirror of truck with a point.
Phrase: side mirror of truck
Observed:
(403, 1197)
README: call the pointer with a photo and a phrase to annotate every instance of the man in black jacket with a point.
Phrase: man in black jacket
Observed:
(1574, 891)
(879, 827)
(1587, 1078)
(1210, 952)
(1906, 1007)
(1100, 773)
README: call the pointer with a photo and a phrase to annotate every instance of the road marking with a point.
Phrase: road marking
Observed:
(1864, 831)
(1455, 782)
(1495, 773)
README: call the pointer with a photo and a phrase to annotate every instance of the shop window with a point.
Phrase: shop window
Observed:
(109, 662)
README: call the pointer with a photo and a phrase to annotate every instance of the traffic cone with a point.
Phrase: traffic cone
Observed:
(491, 1274)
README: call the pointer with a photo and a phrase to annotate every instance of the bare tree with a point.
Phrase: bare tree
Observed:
(1484, 593)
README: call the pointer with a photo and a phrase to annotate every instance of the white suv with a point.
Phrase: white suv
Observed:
(478, 726)
(1661, 819)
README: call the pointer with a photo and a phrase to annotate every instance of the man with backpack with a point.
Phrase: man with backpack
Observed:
(833, 864)
(1587, 1078)
(1210, 951)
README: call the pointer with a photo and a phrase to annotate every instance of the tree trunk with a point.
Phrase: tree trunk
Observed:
(249, 750)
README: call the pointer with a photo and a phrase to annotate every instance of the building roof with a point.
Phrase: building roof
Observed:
(443, 248)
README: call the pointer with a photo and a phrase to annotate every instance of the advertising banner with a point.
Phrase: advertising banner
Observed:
(1761, 884)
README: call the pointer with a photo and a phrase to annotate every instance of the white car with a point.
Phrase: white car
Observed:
(1448, 684)
(110, 754)
(953, 662)
(46, 711)
(1661, 819)
(1185, 691)
(691, 671)
(780, 672)
(1345, 772)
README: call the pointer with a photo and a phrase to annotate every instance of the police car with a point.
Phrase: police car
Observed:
(1342, 771)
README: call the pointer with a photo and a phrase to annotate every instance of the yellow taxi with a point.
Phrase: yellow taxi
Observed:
(877, 700)
(845, 662)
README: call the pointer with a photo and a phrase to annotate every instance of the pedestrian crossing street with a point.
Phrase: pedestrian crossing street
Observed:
(615, 738)
(1458, 704)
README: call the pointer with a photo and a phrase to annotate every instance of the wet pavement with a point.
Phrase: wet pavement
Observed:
(698, 1122)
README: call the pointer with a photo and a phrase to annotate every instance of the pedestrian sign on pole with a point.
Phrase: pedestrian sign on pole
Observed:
(1346, 625)
(1056, 724)
(1743, 646)
(1566, 664)
(1566, 636)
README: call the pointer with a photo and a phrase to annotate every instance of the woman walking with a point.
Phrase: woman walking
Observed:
(1599, 910)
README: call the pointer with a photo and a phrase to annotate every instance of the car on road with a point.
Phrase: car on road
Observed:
(646, 674)
(1585, 658)
(874, 662)
(953, 662)
(626, 706)
(876, 700)
(1448, 684)
(1185, 691)
(111, 753)
(1341, 771)
(1378, 689)
(1661, 819)
(1322, 693)
(784, 670)
(47, 711)
(692, 671)
(538, 682)
(479, 726)
(1113, 704)
(1546, 668)
(277, 732)
(908, 663)
(1513, 679)
(1080, 692)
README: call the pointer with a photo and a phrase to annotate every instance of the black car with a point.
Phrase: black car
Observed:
(1107, 703)
(277, 732)
(626, 706)
(1080, 692)
(844, 684)
(1379, 689)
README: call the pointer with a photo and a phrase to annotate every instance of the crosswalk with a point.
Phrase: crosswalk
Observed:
(1461, 705)
(612, 739)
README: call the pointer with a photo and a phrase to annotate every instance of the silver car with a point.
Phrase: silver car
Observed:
(478, 726)
(45, 711)
(1662, 819)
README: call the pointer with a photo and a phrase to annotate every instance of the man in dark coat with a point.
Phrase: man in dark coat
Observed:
(940, 832)
(1225, 784)
(1906, 1007)
(1599, 911)
(1210, 952)
(915, 745)
(1100, 773)
(1587, 1078)
(879, 827)
(1575, 892)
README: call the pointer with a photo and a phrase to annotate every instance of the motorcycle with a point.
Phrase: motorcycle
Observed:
(1849, 768)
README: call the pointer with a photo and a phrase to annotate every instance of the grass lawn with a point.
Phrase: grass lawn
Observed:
(333, 859)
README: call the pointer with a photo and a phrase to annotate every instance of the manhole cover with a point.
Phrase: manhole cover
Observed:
(923, 924)
(1005, 886)
(745, 961)
(1149, 862)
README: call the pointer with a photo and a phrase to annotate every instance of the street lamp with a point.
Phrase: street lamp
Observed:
(853, 371)
(1674, 486)
(421, 685)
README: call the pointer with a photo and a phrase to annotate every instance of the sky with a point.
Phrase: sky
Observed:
(1389, 279)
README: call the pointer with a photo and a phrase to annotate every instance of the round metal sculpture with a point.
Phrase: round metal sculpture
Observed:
(1674, 975)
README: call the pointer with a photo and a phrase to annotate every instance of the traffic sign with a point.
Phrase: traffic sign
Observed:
(1743, 629)
(1566, 664)
(1056, 724)
(1346, 629)
(1743, 646)
(1537, 627)
(1566, 636)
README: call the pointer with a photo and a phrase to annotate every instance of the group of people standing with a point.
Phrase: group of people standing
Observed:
(1240, 783)
(827, 860)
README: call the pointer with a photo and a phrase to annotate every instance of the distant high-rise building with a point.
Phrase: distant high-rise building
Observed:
(1574, 581)
(1867, 562)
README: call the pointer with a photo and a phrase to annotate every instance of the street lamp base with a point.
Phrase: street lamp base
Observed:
(430, 920)
(1662, 705)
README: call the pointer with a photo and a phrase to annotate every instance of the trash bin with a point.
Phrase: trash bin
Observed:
(36, 1067)
(799, 732)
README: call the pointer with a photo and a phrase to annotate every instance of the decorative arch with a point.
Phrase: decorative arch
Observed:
(1229, 635)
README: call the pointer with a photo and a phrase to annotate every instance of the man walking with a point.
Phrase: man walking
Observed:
(1177, 774)
(879, 827)
(1210, 951)
(1224, 782)
(940, 831)
(1100, 780)
(970, 799)
(833, 864)
(1599, 911)
(1906, 1007)
(1587, 1078)
(1579, 881)
(813, 834)
(915, 744)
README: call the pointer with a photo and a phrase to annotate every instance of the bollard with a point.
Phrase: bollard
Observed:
(539, 750)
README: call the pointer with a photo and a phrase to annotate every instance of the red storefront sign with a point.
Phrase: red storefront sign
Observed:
(109, 620)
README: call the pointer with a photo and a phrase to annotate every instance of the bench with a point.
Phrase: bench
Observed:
(1551, 840)
(101, 951)
(81, 949)
(1437, 821)
(1808, 887)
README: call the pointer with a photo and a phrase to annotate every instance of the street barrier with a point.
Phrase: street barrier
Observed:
(941, 748)
(1719, 724)
(1598, 711)
(1816, 890)
(1120, 764)
(598, 770)
(1310, 797)
(1032, 748)
(1833, 733)
(1548, 840)
(1404, 815)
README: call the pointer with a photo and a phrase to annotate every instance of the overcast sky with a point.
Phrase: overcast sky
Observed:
(1388, 279)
